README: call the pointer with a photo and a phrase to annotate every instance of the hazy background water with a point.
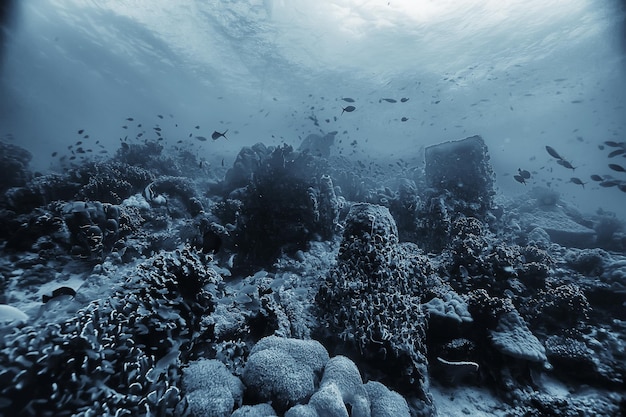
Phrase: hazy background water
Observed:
(523, 74)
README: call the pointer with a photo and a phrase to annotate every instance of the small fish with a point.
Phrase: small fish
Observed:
(216, 135)
(348, 99)
(58, 293)
(86, 137)
(612, 144)
(159, 116)
(519, 179)
(553, 153)
(523, 173)
(566, 164)
(595, 177)
(609, 183)
(577, 181)
(201, 138)
(617, 168)
(601, 147)
(616, 152)
(348, 109)
(124, 127)
(80, 142)
(130, 119)
(222, 161)
(54, 154)
(197, 126)
(404, 119)
(158, 129)
(390, 100)
(80, 132)
(404, 99)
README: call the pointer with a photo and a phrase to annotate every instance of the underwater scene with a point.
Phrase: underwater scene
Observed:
(312, 208)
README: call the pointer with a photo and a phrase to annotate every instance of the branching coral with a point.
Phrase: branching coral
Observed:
(120, 356)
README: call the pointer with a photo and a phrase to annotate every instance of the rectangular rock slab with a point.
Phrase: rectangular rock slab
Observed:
(461, 167)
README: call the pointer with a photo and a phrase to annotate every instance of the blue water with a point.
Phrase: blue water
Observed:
(521, 74)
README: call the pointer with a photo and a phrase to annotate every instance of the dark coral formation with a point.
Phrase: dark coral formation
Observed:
(14, 162)
(287, 203)
(371, 299)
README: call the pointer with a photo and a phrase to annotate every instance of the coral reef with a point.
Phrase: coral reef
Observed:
(119, 356)
(371, 299)
(282, 208)
(14, 162)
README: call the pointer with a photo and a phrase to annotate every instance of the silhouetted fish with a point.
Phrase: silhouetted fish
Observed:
(566, 164)
(159, 116)
(577, 181)
(390, 100)
(54, 154)
(609, 183)
(617, 168)
(404, 99)
(519, 179)
(348, 99)
(197, 126)
(216, 135)
(616, 152)
(130, 119)
(552, 152)
(59, 292)
(80, 132)
(523, 173)
(201, 138)
(404, 119)
(595, 177)
(612, 144)
(158, 129)
(348, 109)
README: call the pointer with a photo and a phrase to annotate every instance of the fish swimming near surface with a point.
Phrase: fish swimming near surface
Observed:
(58, 293)
(348, 99)
(130, 119)
(404, 99)
(519, 179)
(595, 177)
(617, 168)
(609, 183)
(216, 135)
(80, 132)
(404, 119)
(54, 154)
(390, 100)
(160, 116)
(566, 164)
(613, 144)
(523, 173)
(348, 109)
(552, 152)
(201, 138)
(577, 181)
(616, 152)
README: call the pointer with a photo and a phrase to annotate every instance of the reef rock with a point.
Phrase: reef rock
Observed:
(462, 169)
(318, 145)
